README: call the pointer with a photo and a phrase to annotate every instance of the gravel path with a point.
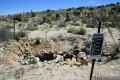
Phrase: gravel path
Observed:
(56, 71)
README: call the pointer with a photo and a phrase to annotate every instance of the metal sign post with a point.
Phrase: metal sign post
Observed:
(96, 47)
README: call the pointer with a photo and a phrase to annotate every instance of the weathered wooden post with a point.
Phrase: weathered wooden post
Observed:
(14, 26)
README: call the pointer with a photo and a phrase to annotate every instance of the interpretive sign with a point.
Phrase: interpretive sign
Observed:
(97, 41)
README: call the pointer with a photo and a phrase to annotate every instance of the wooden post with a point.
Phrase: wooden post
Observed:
(14, 26)
(82, 17)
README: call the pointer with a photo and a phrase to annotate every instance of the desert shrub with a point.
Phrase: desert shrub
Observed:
(8, 26)
(4, 34)
(18, 35)
(37, 41)
(51, 25)
(76, 24)
(32, 27)
(89, 35)
(17, 17)
(61, 24)
(67, 17)
(33, 14)
(81, 31)
(57, 16)
(36, 20)
(22, 34)
(90, 26)
(32, 61)
(71, 30)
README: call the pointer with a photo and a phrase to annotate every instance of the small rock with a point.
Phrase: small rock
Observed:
(26, 62)
(77, 64)
(71, 62)
(45, 61)
(67, 56)
(107, 54)
(108, 46)
(104, 51)
(23, 62)
(54, 56)
(37, 59)
(83, 61)
(112, 67)
(59, 59)
(82, 54)
(1, 49)
(119, 49)
(40, 64)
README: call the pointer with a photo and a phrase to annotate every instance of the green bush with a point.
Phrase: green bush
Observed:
(32, 61)
(71, 30)
(32, 27)
(81, 31)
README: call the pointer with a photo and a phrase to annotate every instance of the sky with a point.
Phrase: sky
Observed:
(19, 6)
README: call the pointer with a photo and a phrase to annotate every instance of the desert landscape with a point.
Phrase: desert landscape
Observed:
(55, 44)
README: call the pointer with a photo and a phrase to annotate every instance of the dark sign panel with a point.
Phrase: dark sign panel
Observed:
(96, 46)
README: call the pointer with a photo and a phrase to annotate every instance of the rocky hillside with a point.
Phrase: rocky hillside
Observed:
(109, 14)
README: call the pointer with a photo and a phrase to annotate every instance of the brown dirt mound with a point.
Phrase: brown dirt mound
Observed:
(15, 50)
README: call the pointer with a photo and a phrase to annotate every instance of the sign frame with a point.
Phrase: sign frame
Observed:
(96, 46)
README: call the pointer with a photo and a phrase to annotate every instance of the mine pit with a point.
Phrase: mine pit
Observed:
(26, 53)
(44, 56)
(17, 54)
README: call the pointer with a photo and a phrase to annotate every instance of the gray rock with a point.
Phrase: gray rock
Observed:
(39, 64)
(82, 54)
(119, 49)
(1, 49)
(26, 62)
(59, 59)
(37, 59)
